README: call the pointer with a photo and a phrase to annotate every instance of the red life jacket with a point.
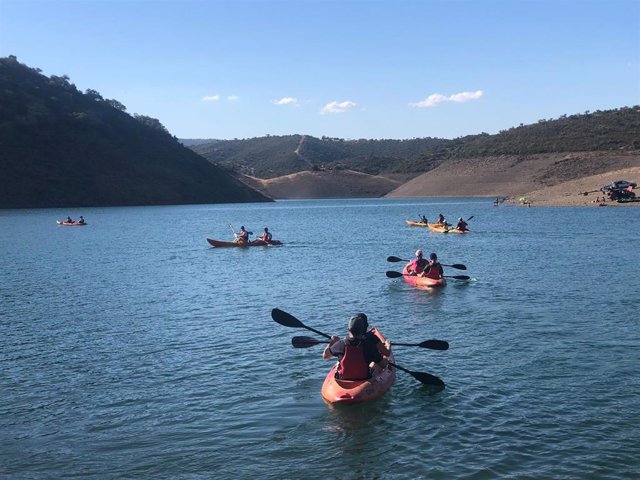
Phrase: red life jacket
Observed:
(418, 265)
(434, 272)
(353, 365)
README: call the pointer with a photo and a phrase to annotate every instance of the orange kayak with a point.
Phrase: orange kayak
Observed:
(253, 243)
(411, 223)
(348, 392)
(421, 281)
(436, 227)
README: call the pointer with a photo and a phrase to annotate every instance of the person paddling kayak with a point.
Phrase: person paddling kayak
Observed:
(433, 270)
(242, 236)
(418, 264)
(266, 236)
(357, 352)
(461, 225)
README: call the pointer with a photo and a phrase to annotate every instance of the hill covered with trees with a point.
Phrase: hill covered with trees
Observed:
(60, 147)
(268, 157)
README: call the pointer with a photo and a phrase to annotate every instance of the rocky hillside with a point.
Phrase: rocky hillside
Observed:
(60, 147)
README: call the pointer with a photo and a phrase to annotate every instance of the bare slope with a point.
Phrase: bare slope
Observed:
(324, 184)
(511, 175)
(571, 193)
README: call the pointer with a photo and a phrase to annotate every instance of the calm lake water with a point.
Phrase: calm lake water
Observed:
(129, 348)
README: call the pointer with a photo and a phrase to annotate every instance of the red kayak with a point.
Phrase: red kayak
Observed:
(71, 224)
(254, 243)
(419, 281)
(357, 391)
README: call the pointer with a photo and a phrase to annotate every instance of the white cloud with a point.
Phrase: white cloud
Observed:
(233, 98)
(337, 107)
(286, 101)
(466, 96)
(211, 98)
(436, 99)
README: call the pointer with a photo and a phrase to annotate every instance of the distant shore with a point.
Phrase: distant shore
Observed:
(572, 193)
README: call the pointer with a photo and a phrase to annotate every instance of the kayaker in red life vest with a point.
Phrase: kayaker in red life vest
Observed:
(242, 236)
(266, 236)
(358, 351)
(418, 264)
(434, 269)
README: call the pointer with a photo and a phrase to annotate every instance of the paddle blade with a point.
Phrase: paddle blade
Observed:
(305, 342)
(423, 377)
(286, 319)
(459, 277)
(435, 344)
(428, 379)
(458, 266)
(432, 344)
(395, 259)
(391, 274)
(470, 217)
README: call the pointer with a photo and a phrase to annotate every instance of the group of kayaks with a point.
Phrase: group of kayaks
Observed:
(338, 391)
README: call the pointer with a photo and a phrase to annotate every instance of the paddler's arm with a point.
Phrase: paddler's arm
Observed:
(384, 348)
(327, 354)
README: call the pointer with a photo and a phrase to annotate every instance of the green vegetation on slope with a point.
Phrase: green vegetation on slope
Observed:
(60, 147)
(268, 157)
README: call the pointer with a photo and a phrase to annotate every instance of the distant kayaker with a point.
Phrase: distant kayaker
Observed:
(461, 225)
(423, 219)
(266, 236)
(81, 219)
(69, 220)
(434, 269)
(243, 236)
(418, 264)
(356, 352)
(442, 221)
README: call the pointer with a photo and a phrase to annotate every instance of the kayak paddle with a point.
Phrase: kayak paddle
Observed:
(306, 342)
(423, 377)
(392, 274)
(458, 266)
(288, 320)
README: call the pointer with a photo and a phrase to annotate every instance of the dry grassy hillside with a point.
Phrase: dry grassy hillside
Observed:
(324, 184)
(513, 175)
(571, 193)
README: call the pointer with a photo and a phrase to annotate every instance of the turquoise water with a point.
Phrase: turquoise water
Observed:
(131, 349)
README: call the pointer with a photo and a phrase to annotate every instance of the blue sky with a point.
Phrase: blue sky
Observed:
(349, 69)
